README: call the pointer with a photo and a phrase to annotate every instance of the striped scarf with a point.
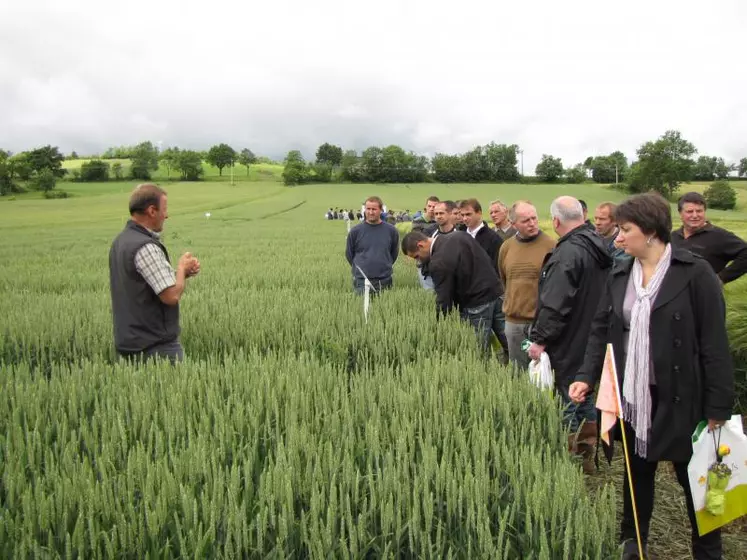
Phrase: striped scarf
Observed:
(636, 390)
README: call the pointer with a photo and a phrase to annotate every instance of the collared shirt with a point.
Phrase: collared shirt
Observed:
(151, 263)
(473, 232)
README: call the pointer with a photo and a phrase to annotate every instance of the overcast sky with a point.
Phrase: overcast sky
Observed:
(571, 78)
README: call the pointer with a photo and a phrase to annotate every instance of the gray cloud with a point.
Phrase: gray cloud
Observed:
(569, 78)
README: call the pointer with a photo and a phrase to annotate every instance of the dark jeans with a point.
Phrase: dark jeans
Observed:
(704, 548)
(379, 284)
(574, 414)
(485, 319)
(171, 351)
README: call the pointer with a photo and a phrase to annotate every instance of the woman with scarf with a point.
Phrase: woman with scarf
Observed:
(663, 312)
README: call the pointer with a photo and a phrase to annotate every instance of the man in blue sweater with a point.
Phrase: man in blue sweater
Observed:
(372, 248)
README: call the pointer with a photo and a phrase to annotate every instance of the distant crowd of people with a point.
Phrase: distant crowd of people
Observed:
(389, 216)
(627, 279)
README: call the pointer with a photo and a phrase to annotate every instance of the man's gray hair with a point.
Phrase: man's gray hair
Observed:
(567, 209)
(499, 203)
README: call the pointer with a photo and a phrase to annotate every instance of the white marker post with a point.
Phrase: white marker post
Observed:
(367, 287)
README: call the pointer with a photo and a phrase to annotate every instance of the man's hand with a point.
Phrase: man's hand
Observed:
(578, 390)
(535, 351)
(715, 424)
(189, 265)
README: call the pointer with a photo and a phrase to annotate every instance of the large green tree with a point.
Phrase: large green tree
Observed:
(447, 168)
(144, 159)
(742, 167)
(329, 153)
(247, 158)
(549, 169)
(609, 169)
(352, 168)
(220, 156)
(295, 170)
(169, 158)
(189, 164)
(47, 157)
(663, 164)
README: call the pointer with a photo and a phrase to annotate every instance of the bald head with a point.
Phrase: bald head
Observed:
(567, 214)
(523, 215)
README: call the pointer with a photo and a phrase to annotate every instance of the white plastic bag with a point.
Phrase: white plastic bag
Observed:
(540, 372)
(704, 455)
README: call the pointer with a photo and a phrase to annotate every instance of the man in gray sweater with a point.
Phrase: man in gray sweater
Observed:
(372, 248)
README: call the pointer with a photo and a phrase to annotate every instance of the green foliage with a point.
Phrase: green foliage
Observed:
(56, 194)
(73, 155)
(7, 184)
(329, 154)
(490, 163)
(721, 196)
(742, 170)
(94, 170)
(221, 155)
(575, 174)
(603, 168)
(663, 165)
(117, 170)
(352, 167)
(169, 158)
(295, 170)
(321, 173)
(144, 158)
(710, 168)
(247, 158)
(44, 180)
(189, 164)
(549, 169)
(47, 157)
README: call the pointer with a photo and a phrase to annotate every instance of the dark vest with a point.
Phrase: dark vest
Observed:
(141, 319)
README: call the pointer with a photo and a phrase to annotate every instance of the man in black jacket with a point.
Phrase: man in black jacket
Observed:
(571, 283)
(463, 277)
(490, 241)
(716, 245)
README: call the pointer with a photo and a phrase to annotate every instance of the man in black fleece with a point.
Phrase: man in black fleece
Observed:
(372, 248)
(490, 241)
(716, 245)
(571, 283)
(463, 277)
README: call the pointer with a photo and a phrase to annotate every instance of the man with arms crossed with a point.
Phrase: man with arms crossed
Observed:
(145, 289)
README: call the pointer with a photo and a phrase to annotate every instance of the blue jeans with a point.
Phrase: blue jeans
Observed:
(575, 414)
(379, 284)
(485, 319)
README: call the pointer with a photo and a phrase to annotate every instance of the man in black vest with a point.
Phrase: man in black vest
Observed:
(145, 289)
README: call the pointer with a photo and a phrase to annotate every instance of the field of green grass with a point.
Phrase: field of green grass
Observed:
(294, 428)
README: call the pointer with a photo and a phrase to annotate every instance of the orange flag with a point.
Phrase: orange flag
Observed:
(608, 399)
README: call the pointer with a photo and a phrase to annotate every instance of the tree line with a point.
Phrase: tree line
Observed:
(661, 165)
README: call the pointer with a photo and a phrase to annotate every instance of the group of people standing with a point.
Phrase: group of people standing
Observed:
(655, 294)
(627, 279)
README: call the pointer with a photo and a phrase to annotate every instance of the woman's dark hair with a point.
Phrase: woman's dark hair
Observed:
(650, 212)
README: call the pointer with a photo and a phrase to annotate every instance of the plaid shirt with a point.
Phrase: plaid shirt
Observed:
(151, 263)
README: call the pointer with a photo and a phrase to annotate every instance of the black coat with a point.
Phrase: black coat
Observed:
(689, 350)
(463, 275)
(489, 240)
(571, 282)
(719, 247)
